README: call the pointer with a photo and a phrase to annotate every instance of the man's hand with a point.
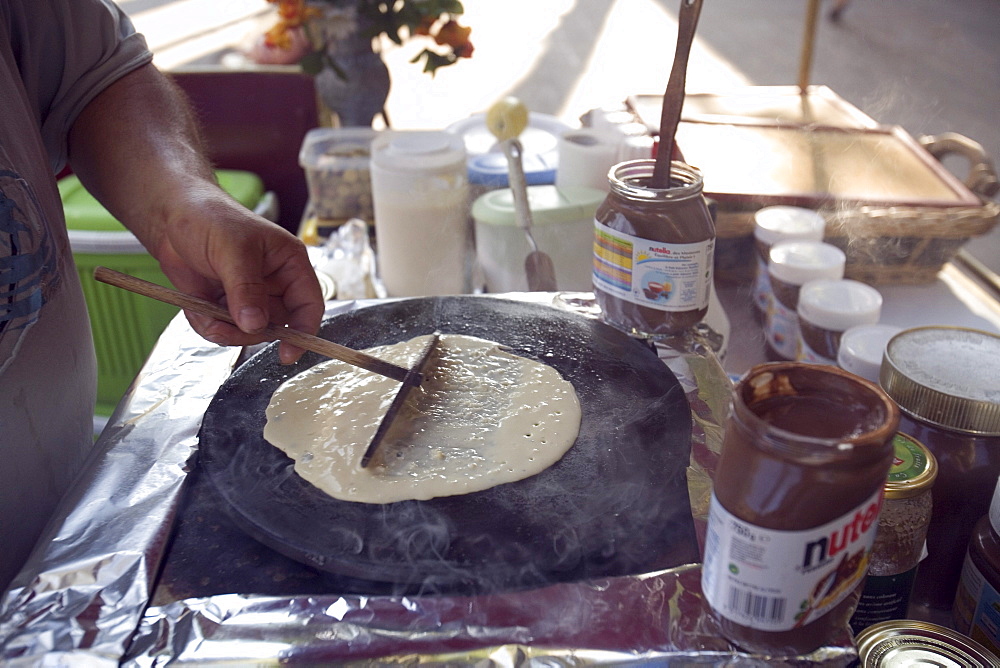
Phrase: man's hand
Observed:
(136, 148)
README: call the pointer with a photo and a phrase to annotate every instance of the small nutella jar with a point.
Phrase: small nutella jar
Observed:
(772, 225)
(902, 530)
(977, 602)
(945, 381)
(829, 307)
(653, 251)
(795, 505)
(792, 264)
(862, 347)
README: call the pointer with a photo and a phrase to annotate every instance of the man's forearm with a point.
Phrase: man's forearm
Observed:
(136, 148)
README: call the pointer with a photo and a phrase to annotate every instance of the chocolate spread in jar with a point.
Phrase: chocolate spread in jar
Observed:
(796, 498)
(653, 251)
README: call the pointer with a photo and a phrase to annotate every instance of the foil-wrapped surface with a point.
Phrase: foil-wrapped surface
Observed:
(87, 595)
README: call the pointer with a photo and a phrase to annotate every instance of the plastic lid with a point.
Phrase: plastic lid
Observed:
(913, 468)
(549, 205)
(337, 148)
(797, 262)
(788, 223)
(946, 376)
(491, 169)
(839, 304)
(862, 347)
(417, 151)
(539, 138)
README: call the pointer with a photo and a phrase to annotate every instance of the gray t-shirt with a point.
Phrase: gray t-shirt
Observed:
(55, 56)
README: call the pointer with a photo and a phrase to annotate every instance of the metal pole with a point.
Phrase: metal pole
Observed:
(805, 64)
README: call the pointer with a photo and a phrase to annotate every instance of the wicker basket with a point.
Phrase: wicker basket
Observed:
(897, 244)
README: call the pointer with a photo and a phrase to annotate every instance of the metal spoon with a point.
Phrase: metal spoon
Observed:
(538, 266)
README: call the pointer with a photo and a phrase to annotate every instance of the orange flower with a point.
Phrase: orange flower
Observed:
(453, 35)
(279, 37)
(425, 25)
(294, 12)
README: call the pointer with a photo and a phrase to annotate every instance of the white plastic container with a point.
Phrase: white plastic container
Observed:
(862, 348)
(772, 225)
(420, 198)
(563, 228)
(791, 265)
(828, 308)
(336, 164)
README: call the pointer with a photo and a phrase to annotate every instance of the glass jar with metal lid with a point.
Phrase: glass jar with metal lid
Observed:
(946, 381)
(909, 642)
(899, 541)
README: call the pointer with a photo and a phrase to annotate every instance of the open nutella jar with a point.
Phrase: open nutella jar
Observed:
(795, 504)
(653, 251)
(946, 381)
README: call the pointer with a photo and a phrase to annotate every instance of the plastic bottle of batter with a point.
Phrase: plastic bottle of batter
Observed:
(653, 250)
(795, 505)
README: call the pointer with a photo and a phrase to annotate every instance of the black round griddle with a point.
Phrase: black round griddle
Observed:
(615, 504)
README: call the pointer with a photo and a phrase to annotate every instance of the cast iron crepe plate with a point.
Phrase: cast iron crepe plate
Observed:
(615, 504)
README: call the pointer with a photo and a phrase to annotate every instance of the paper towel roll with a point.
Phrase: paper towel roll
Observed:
(585, 157)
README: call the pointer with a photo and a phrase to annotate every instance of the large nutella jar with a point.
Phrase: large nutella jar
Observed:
(795, 504)
(653, 251)
(945, 381)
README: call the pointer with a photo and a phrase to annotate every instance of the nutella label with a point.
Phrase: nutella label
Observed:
(668, 277)
(977, 607)
(782, 330)
(780, 580)
(805, 353)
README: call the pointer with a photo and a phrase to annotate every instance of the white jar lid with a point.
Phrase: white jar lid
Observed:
(838, 305)
(862, 348)
(798, 262)
(418, 151)
(788, 223)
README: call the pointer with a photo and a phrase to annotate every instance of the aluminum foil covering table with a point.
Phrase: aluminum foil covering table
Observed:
(92, 596)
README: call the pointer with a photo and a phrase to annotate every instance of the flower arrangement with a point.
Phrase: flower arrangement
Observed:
(300, 29)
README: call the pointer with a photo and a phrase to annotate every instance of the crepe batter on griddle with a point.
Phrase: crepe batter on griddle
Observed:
(482, 417)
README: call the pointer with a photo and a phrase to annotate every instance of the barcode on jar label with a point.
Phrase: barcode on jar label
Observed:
(779, 580)
(753, 606)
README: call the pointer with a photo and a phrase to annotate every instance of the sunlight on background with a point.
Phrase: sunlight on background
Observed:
(632, 54)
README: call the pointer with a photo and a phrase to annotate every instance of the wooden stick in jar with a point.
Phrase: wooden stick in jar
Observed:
(296, 338)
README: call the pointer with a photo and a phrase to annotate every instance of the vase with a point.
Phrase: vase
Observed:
(358, 91)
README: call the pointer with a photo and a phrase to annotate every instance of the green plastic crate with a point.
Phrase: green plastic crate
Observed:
(125, 326)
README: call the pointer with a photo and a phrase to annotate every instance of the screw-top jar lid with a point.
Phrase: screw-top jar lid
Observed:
(913, 468)
(787, 223)
(798, 262)
(907, 642)
(946, 376)
(839, 304)
(862, 347)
